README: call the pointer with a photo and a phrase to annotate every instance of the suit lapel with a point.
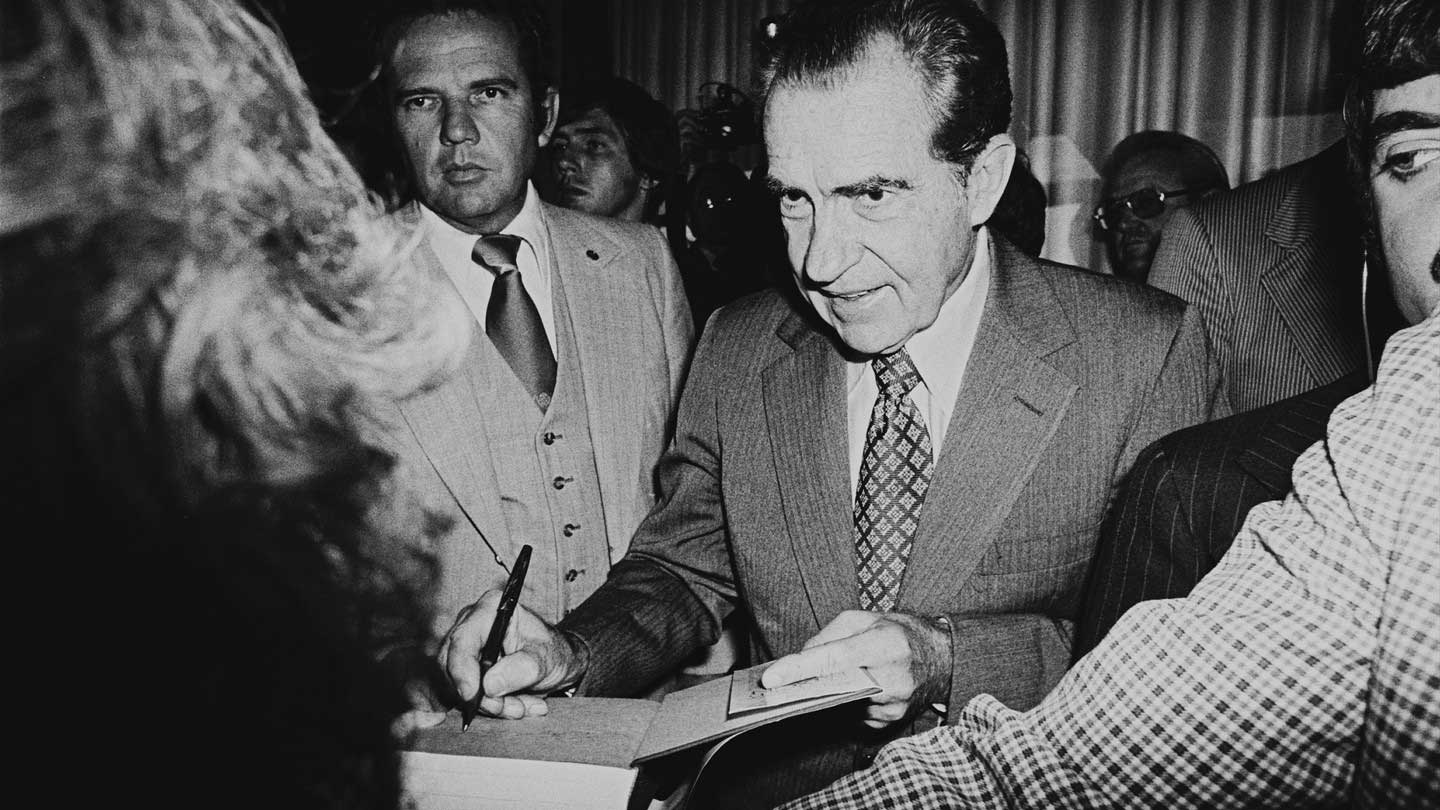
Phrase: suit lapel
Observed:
(434, 418)
(1010, 404)
(581, 258)
(805, 413)
(1301, 280)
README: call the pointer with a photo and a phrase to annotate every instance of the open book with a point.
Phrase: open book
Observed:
(585, 752)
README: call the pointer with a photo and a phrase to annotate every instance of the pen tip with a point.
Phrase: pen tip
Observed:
(465, 726)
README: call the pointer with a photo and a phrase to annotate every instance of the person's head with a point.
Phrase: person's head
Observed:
(1392, 120)
(885, 128)
(1147, 178)
(614, 151)
(202, 318)
(1020, 214)
(470, 103)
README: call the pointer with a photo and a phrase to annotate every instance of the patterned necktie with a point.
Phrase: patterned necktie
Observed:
(511, 320)
(894, 476)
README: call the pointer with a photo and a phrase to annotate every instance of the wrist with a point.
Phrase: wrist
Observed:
(577, 661)
(943, 662)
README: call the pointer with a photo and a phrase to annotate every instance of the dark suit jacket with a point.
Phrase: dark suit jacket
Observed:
(1187, 497)
(1274, 266)
(1072, 373)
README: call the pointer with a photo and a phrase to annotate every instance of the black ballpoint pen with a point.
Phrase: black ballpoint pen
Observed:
(490, 653)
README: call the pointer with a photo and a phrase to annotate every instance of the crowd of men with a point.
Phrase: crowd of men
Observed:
(1165, 536)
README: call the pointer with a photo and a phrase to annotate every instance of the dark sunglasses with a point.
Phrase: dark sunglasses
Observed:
(1146, 203)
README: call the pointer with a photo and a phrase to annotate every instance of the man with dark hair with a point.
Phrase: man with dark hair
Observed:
(1147, 178)
(1305, 669)
(906, 472)
(550, 432)
(615, 152)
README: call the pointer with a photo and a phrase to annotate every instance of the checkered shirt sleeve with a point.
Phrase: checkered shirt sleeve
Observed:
(1305, 669)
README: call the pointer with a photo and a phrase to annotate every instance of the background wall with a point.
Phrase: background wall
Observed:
(1254, 79)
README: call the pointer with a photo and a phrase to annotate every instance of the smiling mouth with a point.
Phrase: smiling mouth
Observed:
(855, 296)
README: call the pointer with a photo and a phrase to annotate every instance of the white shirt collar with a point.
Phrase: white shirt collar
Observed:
(934, 349)
(455, 245)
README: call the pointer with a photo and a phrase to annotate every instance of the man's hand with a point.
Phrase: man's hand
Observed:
(909, 657)
(536, 660)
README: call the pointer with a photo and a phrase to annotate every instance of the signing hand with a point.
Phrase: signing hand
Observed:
(537, 660)
(909, 657)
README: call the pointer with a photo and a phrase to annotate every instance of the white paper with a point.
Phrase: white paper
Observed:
(451, 782)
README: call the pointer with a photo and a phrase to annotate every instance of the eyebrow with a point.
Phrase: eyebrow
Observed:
(1390, 123)
(478, 84)
(875, 182)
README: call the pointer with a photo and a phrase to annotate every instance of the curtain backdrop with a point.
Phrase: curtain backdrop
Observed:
(1250, 78)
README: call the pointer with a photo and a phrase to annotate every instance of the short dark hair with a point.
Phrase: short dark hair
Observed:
(957, 50)
(1200, 167)
(1399, 42)
(525, 18)
(651, 136)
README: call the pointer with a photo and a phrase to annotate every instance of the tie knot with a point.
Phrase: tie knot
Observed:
(497, 252)
(896, 374)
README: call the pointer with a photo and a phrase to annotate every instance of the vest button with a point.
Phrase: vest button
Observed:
(572, 574)
(560, 481)
(570, 529)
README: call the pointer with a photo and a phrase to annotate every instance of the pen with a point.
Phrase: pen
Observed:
(490, 653)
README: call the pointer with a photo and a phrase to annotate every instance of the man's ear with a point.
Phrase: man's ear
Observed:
(549, 114)
(988, 176)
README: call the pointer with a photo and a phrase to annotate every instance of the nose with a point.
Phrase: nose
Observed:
(566, 162)
(458, 127)
(834, 248)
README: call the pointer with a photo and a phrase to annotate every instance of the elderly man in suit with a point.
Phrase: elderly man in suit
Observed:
(1277, 270)
(550, 432)
(1304, 671)
(907, 470)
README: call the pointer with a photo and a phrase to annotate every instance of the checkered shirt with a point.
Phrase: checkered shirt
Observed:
(1304, 670)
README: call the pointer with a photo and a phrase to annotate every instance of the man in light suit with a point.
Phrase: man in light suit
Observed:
(550, 432)
(907, 474)
(1275, 267)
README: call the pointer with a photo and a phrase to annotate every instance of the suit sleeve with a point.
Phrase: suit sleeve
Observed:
(1033, 650)
(1187, 265)
(1147, 548)
(670, 593)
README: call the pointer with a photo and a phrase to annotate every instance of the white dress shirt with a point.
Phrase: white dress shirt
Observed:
(940, 353)
(453, 247)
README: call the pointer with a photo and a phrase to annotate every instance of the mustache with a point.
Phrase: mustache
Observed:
(1435, 268)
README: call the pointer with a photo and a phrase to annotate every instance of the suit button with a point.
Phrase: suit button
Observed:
(570, 529)
(550, 437)
(560, 481)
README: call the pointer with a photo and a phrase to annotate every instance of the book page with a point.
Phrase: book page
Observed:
(747, 695)
(701, 714)
(460, 782)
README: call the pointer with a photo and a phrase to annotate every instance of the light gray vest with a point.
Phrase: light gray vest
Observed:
(544, 466)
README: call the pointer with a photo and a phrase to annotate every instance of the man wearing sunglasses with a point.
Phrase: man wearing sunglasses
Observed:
(1148, 177)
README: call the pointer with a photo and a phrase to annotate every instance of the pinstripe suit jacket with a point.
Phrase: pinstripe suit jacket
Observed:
(1071, 374)
(1187, 497)
(1274, 267)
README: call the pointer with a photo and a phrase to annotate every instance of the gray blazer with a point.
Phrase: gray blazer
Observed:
(1274, 268)
(1072, 374)
(633, 334)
